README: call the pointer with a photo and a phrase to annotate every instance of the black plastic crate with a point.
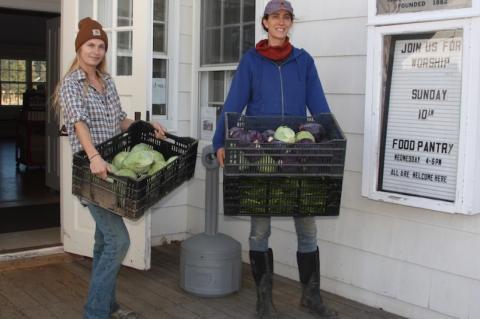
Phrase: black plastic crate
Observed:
(323, 158)
(127, 197)
(281, 196)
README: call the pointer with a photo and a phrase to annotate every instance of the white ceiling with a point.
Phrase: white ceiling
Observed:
(33, 5)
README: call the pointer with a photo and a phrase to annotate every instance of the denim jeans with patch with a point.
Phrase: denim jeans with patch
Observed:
(260, 230)
(111, 245)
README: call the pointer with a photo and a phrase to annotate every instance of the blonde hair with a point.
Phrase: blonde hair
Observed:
(57, 102)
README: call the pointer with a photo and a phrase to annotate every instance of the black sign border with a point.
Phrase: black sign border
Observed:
(386, 107)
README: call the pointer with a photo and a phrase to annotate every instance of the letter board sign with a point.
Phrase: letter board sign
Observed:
(421, 114)
(403, 6)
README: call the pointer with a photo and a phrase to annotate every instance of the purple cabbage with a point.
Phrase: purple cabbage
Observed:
(236, 132)
(267, 136)
(244, 140)
(254, 136)
(251, 140)
(316, 129)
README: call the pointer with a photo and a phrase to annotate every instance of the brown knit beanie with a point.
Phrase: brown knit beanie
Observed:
(90, 29)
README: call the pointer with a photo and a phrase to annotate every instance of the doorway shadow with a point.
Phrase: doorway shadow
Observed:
(25, 202)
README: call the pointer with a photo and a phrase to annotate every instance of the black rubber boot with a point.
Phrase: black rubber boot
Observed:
(309, 269)
(262, 270)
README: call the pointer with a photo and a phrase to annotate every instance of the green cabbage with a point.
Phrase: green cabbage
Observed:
(157, 156)
(126, 172)
(304, 135)
(119, 158)
(157, 166)
(285, 134)
(267, 165)
(113, 168)
(139, 161)
(140, 147)
(243, 163)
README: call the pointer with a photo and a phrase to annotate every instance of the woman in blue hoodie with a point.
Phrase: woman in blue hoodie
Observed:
(275, 78)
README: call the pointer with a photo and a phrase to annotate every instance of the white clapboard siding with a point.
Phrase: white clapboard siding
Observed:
(196, 191)
(169, 224)
(195, 219)
(170, 215)
(351, 198)
(329, 9)
(329, 37)
(342, 75)
(349, 110)
(353, 158)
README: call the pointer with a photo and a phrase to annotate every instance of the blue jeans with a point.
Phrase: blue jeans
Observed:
(111, 245)
(306, 228)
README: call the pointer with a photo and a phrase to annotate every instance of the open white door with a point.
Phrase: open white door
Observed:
(52, 165)
(77, 224)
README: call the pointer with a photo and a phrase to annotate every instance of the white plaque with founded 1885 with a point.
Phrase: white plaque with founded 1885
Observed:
(404, 6)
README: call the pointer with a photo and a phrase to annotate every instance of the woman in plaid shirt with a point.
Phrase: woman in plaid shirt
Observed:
(93, 114)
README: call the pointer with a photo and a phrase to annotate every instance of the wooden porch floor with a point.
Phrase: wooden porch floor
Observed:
(59, 291)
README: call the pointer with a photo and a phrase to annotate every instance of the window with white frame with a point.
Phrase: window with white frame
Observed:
(214, 86)
(227, 31)
(18, 75)
(116, 17)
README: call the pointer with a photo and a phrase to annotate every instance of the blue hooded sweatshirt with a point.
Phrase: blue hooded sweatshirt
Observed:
(265, 87)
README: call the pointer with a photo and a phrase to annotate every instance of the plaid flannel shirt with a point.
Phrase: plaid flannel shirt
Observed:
(102, 113)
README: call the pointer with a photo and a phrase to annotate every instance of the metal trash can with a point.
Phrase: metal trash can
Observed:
(211, 262)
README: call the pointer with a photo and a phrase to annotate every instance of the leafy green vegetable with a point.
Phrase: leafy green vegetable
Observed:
(285, 134)
(267, 165)
(252, 206)
(157, 166)
(243, 163)
(126, 172)
(304, 135)
(139, 161)
(157, 156)
(140, 147)
(113, 168)
(119, 158)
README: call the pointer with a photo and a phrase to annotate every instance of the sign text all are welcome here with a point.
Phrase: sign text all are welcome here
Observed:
(422, 129)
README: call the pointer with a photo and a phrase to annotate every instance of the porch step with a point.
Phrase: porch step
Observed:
(37, 261)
